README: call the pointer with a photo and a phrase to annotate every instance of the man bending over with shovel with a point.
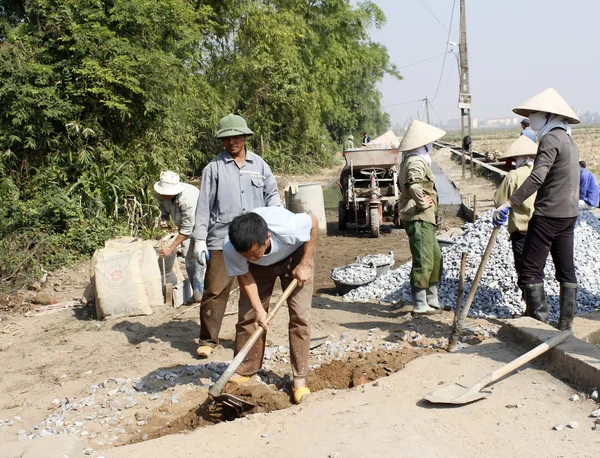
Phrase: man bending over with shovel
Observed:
(267, 243)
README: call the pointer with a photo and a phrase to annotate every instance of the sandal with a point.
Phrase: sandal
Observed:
(299, 393)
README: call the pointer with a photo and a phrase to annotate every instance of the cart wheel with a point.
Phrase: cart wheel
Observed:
(374, 221)
(342, 216)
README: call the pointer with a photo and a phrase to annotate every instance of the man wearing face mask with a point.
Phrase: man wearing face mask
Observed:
(555, 177)
(523, 152)
(417, 208)
(234, 182)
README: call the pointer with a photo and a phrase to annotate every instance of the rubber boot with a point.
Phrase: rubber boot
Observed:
(432, 297)
(535, 298)
(568, 306)
(419, 300)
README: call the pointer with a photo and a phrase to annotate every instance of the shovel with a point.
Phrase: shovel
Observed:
(457, 327)
(215, 390)
(458, 394)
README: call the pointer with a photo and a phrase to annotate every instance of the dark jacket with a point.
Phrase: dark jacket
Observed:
(555, 177)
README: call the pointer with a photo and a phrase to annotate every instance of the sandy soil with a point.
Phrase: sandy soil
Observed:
(51, 360)
(389, 418)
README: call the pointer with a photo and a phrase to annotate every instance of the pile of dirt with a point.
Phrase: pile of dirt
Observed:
(262, 396)
(352, 372)
(356, 371)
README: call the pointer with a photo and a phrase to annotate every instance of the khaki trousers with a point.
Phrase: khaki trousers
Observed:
(299, 305)
(217, 286)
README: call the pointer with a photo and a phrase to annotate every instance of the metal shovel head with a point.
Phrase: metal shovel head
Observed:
(456, 394)
(233, 401)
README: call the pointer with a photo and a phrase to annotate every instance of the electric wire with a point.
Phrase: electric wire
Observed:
(421, 61)
(402, 103)
(445, 52)
(438, 116)
(422, 2)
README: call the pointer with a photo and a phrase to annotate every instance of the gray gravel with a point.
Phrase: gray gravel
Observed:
(354, 274)
(497, 295)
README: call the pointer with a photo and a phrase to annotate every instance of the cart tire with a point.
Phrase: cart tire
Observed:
(342, 216)
(374, 221)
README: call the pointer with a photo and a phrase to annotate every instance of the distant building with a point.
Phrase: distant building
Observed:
(453, 123)
(475, 123)
(501, 122)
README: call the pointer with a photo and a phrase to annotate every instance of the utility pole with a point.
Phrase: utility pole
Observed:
(426, 100)
(464, 94)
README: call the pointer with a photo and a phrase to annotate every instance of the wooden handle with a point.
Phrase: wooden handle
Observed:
(524, 359)
(458, 325)
(216, 389)
(461, 283)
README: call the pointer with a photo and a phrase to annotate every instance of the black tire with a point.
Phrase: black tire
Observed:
(342, 216)
(374, 221)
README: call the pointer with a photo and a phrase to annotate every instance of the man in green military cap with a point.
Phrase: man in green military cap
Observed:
(234, 182)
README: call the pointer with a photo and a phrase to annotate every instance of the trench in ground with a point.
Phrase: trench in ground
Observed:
(351, 372)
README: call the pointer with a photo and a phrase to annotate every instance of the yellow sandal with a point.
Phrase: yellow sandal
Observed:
(204, 351)
(243, 379)
(299, 393)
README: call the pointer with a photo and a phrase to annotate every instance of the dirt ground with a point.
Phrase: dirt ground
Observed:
(370, 366)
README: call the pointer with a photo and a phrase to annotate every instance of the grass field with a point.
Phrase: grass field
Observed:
(488, 140)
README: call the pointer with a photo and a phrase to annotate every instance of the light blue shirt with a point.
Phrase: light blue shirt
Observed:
(228, 190)
(529, 133)
(289, 231)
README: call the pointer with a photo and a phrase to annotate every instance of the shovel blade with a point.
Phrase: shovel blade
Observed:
(233, 401)
(455, 394)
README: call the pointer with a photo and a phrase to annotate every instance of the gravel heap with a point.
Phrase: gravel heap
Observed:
(354, 274)
(377, 259)
(497, 295)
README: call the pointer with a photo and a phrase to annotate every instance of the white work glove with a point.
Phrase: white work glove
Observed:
(201, 252)
(500, 216)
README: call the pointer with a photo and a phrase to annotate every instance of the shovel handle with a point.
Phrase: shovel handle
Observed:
(461, 283)
(216, 389)
(524, 359)
(458, 324)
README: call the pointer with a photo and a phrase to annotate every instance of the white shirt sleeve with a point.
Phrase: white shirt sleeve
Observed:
(289, 227)
(235, 263)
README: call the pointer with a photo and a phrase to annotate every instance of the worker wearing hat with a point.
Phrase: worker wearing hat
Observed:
(178, 201)
(349, 143)
(555, 177)
(523, 152)
(234, 182)
(417, 208)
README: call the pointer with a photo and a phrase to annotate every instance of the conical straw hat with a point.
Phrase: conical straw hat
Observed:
(420, 134)
(548, 101)
(523, 146)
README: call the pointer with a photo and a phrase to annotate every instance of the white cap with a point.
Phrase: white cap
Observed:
(523, 146)
(420, 134)
(548, 101)
(169, 184)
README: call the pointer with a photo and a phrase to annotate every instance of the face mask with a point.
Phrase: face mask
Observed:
(537, 120)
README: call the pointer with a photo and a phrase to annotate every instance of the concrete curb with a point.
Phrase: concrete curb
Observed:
(574, 360)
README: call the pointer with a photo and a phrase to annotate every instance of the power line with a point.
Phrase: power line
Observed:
(421, 61)
(445, 52)
(438, 116)
(422, 2)
(402, 103)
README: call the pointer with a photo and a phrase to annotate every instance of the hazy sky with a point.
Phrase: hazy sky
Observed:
(516, 49)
